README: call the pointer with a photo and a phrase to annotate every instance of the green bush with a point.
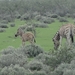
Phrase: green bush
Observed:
(37, 17)
(10, 56)
(69, 72)
(2, 30)
(60, 69)
(2, 25)
(62, 19)
(54, 15)
(40, 73)
(40, 25)
(25, 16)
(9, 18)
(32, 50)
(49, 60)
(12, 24)
(47, 20)
(35, 65)
(13, 70)
(38, 66)
(4, 22)
(17, 15)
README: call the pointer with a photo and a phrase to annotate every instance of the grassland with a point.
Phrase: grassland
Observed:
(43, 35)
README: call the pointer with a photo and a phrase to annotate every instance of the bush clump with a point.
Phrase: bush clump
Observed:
(25, 16)
(10, 56)
(4, 21)
(49, 60)
(47, 20)
(2, 25)
(32, 50)
(38, 66)
(14, 70)
(9, 18)
(54, 15)
(37, 17)
(17, 15)
(2, 30)
(62, 19)
(40, 25)
(12, 24)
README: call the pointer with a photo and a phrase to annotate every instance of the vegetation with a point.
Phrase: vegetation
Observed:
(46, 17)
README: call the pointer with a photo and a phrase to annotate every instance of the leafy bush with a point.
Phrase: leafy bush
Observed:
(62, 19)
(9, 18)
(12, 24)
(32, 50)
(14, 70)
(38, 66)
(35, 14)
(48, 14)
(37, 17)
(35, 65)
(17, 15)
(60, 69)
(54, 15)
(2, 25)
(40, 73)
(4, 22)
(49, 60)
(64, 69)
(9, 50)
(25, 16)
(48, 20)
(2, 30)
(9, 57)
(69, 72)
(40, 24)
(68, 15)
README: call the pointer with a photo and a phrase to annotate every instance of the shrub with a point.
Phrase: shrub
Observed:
(9, 57)
(8, 50)
(37, 17)
(38, 66)
(68, 15)
(48, 14)
(69, 72)
(47, 20)
(40, 73)
(25, 16)
(60, 69)
(9, 18)
(17, 15)
(54, 15)
(2, 25)
(4, 22)
(40, 24)
(32, 50)
(35, 65)
(13, 70)
(62, 19)
(65, 55)
(49, 60)
(12, 24)
(2, 30)
(36, 13)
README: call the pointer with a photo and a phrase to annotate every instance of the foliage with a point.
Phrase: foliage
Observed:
(12, 24)
(9, 56)
(32, 50)
(2, 25)
(40, 25)
(2, 30)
